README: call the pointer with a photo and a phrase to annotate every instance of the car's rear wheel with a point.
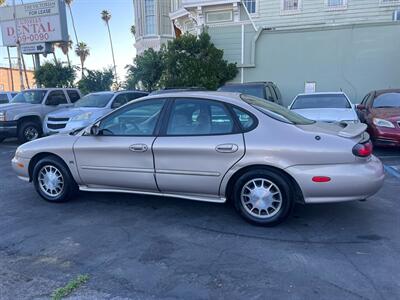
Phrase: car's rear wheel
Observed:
(53, 181)
(29, 131)
(264, 197)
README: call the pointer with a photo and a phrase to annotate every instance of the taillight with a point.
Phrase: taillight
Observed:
(363, 150)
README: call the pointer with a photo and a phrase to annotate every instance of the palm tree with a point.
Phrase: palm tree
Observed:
(69, 2)
(106, 17)
(83, 51)
(65, 47)
(133, 30)
(2, 2)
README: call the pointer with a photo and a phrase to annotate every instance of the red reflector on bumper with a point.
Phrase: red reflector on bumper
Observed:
(321, 179)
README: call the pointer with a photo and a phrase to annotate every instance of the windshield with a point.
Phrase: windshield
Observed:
(253, 90)
(321, 101)
(276, 111)
(94, 100)
(387, 100)
(32, 97)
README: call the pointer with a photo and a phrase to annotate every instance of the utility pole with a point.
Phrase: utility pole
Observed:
(21, 77)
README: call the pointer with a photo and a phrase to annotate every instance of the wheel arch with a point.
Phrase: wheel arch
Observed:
(232, 180)
(36, 158)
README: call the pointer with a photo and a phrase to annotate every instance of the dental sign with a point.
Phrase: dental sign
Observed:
(38, 22)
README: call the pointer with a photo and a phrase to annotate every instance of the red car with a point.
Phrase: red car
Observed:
(380, 110)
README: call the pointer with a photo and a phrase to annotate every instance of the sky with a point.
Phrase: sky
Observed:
(92, 30)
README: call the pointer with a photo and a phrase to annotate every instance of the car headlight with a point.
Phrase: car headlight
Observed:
(382, 123)
(3, 116)
(82, 117)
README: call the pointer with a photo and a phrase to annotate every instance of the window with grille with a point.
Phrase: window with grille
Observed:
(150, 17)
(290, 5)
(251, 6)
(337, 3)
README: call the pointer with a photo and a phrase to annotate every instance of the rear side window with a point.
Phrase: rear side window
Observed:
(246, 120)
(199, 117)
(133, 96)
(56, 98)
(73, 96)
(3, 98)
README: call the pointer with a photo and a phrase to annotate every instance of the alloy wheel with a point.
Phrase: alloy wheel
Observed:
(261, 198)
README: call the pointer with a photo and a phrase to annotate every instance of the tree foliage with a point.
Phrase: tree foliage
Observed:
(55, 74)
(187, 61)
(194, 61)
(146, 70)
(96, 81)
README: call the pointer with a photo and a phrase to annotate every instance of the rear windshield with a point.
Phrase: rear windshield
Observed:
(387, 100)
(32, 97)
(321, 101)
(276, 111)
(94, 100)
(253, 90)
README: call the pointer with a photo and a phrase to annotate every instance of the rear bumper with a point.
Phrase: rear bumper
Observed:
(349, 182)
(8, 129)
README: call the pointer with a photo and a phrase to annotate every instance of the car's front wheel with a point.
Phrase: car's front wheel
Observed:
(53, 181)
(29, 131)
(264, 197)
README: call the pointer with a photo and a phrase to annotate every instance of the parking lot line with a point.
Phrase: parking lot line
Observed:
(393, 171)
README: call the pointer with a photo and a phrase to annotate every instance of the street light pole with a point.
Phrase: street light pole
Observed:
(21, 77)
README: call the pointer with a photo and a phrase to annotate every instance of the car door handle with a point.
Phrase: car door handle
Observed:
(227, 148)
(138, 148)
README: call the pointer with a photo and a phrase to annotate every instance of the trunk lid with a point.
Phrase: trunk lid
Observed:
(354, 131)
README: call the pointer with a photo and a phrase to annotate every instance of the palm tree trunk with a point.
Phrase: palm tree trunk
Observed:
(112, 52)
(73, 24)
(82, 63)
(69, 61)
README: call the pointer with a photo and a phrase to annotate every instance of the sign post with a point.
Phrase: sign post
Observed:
(21, 78)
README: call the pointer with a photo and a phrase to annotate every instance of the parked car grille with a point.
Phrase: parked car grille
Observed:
(56, 126)
(58, 119)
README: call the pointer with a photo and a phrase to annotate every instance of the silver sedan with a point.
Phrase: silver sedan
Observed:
(208, 146)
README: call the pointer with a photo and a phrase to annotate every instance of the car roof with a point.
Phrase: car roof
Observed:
(322, 93)
(248, 83)
(385, 91)
(233, 98)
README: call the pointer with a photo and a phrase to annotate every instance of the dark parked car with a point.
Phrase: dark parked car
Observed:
(265, 90)
(380, 110)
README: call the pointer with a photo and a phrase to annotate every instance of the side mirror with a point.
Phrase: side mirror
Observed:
(94, 130)
(361, 107)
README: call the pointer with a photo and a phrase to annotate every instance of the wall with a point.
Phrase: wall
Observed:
(355, 59)
(317, 12)
(5, 79)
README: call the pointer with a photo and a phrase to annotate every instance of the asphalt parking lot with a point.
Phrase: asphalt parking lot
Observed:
(137, 247)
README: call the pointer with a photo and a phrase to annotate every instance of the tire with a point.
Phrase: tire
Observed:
(256, 195)
(29, 131)
(60, 193)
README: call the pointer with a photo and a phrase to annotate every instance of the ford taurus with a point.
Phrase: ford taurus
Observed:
(208, 146)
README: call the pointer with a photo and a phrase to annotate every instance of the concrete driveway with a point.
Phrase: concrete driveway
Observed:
(136, 247)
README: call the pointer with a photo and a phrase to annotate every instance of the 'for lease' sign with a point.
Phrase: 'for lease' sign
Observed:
(36, 23)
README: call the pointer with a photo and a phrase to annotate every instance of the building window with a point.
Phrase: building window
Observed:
(389, 2)
(165, 21)
(251, 6)
(219, 16)
(290, 5)
(337, 3)
(150, 17)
